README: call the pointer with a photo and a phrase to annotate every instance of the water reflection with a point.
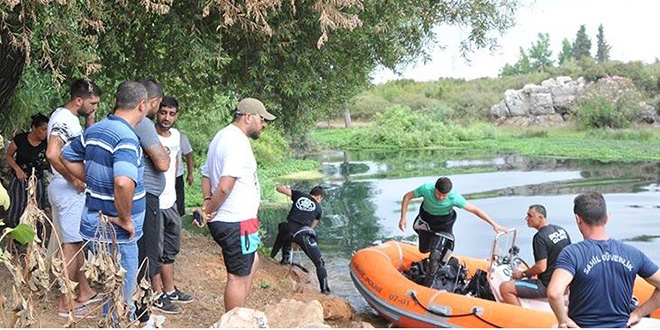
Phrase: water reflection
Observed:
(365, 190)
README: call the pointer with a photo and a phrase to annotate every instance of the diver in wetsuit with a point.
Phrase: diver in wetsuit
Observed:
(303, 217)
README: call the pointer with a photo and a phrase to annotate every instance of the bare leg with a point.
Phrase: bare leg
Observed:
(157, 284)
(167, 276)
(509, 293)
(74, 273)
(238, 287)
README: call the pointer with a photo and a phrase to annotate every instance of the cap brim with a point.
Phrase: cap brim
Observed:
(268, 116)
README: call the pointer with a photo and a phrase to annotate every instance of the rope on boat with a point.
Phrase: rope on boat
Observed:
(473, 313)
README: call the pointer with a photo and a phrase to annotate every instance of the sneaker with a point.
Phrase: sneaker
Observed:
(165, 305)
(180, 297)
(155, 321)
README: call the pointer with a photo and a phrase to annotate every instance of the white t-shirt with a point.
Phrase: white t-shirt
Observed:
(230, 154)
(66, 126)
(173, 145)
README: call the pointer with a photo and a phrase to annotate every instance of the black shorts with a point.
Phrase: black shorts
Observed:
(150, 245)
(531, 289)
(239, 242)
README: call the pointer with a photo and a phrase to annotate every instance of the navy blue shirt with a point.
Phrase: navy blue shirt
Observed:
(603, 276)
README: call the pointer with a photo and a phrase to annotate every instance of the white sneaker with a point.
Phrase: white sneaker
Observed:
(155, 321)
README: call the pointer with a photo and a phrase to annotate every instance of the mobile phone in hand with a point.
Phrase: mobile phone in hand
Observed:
(197, 217)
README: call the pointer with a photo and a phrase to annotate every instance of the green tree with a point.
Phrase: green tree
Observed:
(540, 53)
(603, 52)
(582, 44)
(566, 51)
(304, 58)
(523, 66)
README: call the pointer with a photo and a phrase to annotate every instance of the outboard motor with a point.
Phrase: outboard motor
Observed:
(442, 245)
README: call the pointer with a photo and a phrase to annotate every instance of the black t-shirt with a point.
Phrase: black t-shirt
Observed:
(304, 208)
(547, 244)
(28, 156)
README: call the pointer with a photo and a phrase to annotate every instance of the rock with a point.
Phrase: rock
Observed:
(290, 313)
(240, 317)
(515, 103)
(542, 105)
(362, 324)
(336, 310)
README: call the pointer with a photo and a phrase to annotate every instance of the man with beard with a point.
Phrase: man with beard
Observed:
(170, 138)
(66, 192)
(157, 161)
(231, 197)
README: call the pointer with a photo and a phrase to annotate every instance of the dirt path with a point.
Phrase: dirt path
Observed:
(199, 270)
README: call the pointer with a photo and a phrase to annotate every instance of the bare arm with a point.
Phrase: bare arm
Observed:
(315, 223)
(77, 169)
(481, 214)
(403, 222)
(560, 280)
(538, 268)
(53, 153)
(9, 157)
(90, 119)
(190, 164)
(650, 305)
(286, 190)
(158, 155)
(124, 190)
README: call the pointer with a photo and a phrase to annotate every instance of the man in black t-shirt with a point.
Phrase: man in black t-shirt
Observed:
(303, 217)
(547, 243)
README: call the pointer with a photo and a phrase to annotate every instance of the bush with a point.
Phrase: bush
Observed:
(612, 102)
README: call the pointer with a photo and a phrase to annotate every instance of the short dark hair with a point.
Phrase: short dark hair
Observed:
(153, 88)
(84, 88)
(539, 209)
(169, 101)
(317, 191)
(443, 185)
(129, 94)
(591, 208)
(39, 119)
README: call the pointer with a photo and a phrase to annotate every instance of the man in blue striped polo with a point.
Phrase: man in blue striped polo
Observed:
(108, 157)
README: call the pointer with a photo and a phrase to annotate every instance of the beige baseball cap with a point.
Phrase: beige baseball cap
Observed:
(255, 107)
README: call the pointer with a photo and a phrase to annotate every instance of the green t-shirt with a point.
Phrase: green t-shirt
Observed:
(435, 207)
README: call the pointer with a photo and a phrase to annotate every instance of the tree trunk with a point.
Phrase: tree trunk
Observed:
(13, 62)
(347, 119)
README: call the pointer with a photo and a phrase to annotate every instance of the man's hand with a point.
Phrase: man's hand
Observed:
(80, 186)
(499, 228)
(568, 324)
(20, 175)
(126, 224)
(403, 223)
(191, 179)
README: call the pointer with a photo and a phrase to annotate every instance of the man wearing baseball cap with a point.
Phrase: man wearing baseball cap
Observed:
(231, 197)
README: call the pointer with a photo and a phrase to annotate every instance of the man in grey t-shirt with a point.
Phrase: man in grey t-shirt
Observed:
(157, 161)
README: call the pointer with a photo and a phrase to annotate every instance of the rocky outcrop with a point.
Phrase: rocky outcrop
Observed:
(290, 313)
(535, 105)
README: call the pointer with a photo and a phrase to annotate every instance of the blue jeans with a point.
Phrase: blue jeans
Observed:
(129, 260)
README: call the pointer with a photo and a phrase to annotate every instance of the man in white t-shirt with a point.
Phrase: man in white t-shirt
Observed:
(66, 193)
(171, 139)
(231, 197)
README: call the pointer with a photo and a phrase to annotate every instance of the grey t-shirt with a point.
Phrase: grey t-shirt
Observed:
(154, 181)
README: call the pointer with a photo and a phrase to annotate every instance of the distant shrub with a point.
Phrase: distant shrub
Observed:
(612, 102)
(623, 134)
(368, 104)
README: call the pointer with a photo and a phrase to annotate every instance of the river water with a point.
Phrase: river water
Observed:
(364, 192)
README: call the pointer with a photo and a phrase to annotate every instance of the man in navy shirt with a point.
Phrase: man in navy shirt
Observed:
(303, 217)
(600, 272)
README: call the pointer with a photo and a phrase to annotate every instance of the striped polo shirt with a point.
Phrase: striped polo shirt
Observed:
(109, 148)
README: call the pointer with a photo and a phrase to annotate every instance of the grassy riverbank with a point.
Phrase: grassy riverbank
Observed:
(641, 144)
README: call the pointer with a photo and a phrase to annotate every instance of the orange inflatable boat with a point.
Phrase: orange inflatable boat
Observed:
(377, 273)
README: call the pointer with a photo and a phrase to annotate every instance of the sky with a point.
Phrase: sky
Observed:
(629, 27)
